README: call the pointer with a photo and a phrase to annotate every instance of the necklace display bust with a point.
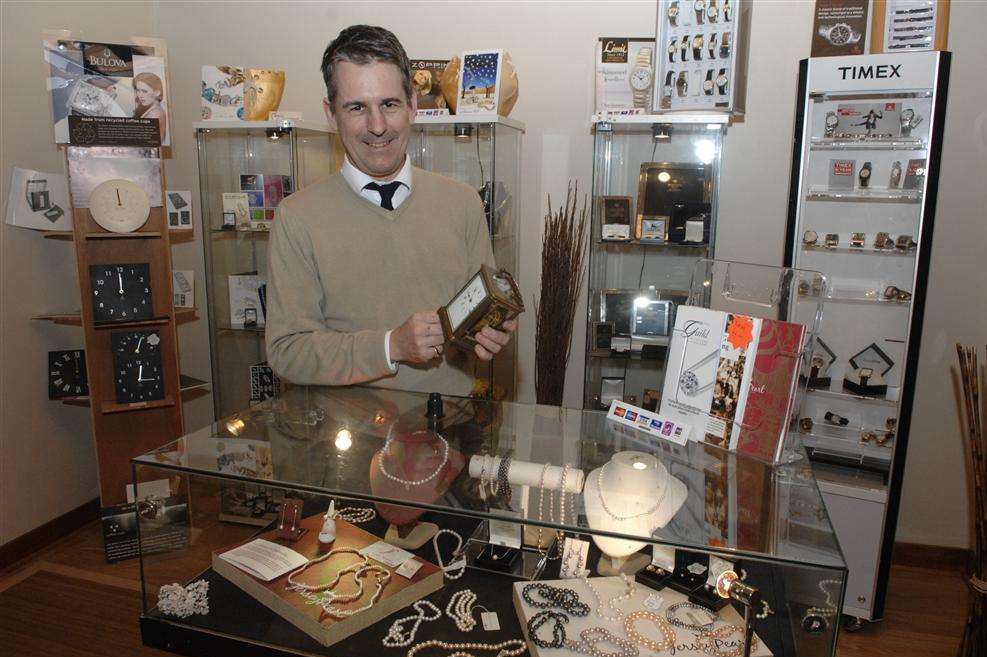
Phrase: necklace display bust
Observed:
(631, 494)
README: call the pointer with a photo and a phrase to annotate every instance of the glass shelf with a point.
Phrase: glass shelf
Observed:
(839, 144)
(847, 447)
(868, 297)
(867, 195)
(659, 245)
(892, 253)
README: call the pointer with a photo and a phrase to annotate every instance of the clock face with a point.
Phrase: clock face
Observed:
(466, 301)
(121, 293)
(137, 373)
(119, 206)
(67, 374)
(641, 79)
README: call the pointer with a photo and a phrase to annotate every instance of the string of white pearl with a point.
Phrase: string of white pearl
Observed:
(414, 482)
(294, 585)
(456, 553)
(460, 609)
(614, 602)
(382, 575)
(619, 518)
(425, 611)
(829, 610)
(559, 536)
(509, 648)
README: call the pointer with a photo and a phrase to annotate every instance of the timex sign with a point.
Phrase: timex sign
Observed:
(870, 72)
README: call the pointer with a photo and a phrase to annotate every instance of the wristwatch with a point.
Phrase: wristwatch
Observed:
(712, 11)
(666, 90)
(832, 120)
(727, 11)
(840, 34)
(833, 418)
(700, 7)
(721, 82)
(725, 45)
(864, 175)
(810, 237)
(708, 83)
(832, 240)
(684, 46)
(697, 47)
(642, 77)
(673, 47)
(673, 13)
(711, 45)
(883, 241)
(857, 240)
(895, 175)
(682, 84)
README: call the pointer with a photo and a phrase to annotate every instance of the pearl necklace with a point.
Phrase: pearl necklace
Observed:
(293, 585)
(667, 632)
(619, 518)
(381, 575)
(460, 609)
(614, 602)
(509, 648)
(695, 627)
(455, 554)
(418, 482)
(425, 611)
(355, 515)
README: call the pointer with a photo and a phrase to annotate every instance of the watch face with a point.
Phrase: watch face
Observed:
(641, 79)
(119, 206)
(832, 120)
(137, 374)
(865, 172)
(839, 35)
(67, 374)
(672, 48)
(121, 293)
(721, 80)
(700, 5)
(711, 12)
(466, 301)
(673, 10)
(697, 42)
(707, 85)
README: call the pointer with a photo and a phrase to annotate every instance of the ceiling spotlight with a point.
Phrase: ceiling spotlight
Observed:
(462, 132)
(661, 132)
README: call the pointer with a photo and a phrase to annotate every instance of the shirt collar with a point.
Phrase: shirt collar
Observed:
(357, 179)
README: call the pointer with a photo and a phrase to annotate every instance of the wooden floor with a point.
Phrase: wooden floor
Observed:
(925, 613)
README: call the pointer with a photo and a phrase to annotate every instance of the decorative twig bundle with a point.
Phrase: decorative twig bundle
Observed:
(974, 642)
(562, 268)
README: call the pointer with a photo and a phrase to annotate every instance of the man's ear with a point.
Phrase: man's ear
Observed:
(414, 105)
(327, 108)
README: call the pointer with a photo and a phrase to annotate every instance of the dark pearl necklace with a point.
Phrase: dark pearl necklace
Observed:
(558, 630)
(553, 597)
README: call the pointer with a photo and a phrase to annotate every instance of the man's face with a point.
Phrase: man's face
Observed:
(372, 116)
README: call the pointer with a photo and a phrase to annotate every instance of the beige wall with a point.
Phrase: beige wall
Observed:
(47, 460)
(551, 44)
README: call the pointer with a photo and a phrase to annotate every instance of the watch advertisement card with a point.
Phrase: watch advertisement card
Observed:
(842, 174)
(425, 74)
(868, 120)
(222, 93)
(38, 200)
(179, 206)
(840, 27)
(245, 303)
(107, 82)
(237, 204)
(93, 165)
(183, 286)
(624, 75)
(914, 174)
(479, 82)
(164, 527)
(615, 218)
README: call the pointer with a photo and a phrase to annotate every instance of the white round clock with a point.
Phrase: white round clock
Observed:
(119, 206)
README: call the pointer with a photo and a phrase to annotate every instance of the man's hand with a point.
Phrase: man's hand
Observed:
(419, 339)
(490, 341)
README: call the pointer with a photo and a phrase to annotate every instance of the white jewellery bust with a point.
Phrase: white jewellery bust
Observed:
(631, 494)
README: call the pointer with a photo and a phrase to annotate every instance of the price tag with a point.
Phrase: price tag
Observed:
(490, 620)
(654, 602)
(386, 553)
(574, 553)
(696, 568)
(663, 557)
(506, 533)
(409, 568)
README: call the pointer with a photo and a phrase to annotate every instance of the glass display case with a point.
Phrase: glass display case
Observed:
(863, 195)
(497, 507)
(654, 216)
(245, 168)
(485, 153)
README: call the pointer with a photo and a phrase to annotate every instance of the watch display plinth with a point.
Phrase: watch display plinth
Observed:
(610, 566)
(418, 535)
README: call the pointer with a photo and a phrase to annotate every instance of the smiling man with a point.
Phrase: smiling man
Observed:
(360, 262)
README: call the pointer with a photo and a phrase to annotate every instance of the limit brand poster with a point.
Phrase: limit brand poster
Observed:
(840, 27)
(479, 82)
(425, 74)
(106, 81)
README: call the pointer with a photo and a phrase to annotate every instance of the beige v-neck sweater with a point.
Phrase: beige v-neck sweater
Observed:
(344, 271)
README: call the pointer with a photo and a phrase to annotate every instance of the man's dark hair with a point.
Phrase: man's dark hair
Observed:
(363, 44)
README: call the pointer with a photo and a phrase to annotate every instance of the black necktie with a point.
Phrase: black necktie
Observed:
(386, 192)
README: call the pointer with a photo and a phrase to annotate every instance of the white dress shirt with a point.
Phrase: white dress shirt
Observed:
(357, 180)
